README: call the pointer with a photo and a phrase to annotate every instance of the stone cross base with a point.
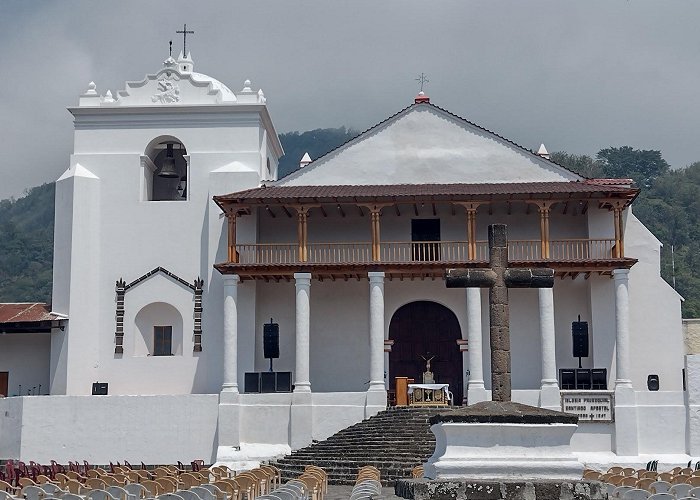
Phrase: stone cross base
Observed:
(496, 441)
(464, 489)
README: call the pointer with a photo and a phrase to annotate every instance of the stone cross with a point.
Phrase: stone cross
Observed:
(498, 277)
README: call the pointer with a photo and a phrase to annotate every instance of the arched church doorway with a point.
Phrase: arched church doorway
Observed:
(421, 330)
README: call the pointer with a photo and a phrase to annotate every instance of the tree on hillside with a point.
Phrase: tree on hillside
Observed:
(641, 165)
(316, 142)
(581, 164)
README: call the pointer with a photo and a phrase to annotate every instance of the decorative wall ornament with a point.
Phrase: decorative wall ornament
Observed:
(197, 288)
(169, 91)
(119, 333)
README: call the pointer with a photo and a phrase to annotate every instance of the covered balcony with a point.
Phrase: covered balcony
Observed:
(415, 253)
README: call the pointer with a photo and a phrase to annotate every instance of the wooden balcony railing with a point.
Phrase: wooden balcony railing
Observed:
(421, 251)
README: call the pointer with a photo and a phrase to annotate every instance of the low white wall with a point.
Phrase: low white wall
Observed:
(266, 418)
(10, 427)
(99, 429)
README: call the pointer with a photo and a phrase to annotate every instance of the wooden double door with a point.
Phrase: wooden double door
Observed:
(420, 330)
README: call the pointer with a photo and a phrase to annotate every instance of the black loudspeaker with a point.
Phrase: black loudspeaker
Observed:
(271, 340)
(99, 389)
(251, 382)
(268, 382)
(284, 382)
(579, 330)
(653, 382)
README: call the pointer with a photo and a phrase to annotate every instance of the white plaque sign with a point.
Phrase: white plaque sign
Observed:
(589, 406)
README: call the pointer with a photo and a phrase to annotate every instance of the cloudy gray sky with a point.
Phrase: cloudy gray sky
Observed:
(578, 76)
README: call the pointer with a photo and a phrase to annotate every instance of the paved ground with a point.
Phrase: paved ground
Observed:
(343, 493)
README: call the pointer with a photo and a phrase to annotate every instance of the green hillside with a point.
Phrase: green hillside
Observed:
(669, 205)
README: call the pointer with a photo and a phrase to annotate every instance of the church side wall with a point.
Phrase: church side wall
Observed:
(101, 429)
(655, 316)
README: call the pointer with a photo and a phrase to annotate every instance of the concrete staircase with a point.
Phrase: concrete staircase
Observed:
(394, 441)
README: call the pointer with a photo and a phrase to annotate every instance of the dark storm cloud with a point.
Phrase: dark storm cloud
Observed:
(578, 76)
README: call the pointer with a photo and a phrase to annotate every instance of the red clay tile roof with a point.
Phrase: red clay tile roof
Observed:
(407, 193)
(26, 312)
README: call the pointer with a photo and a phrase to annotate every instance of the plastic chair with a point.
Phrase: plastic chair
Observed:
(203, 493)
(636, 494)
(694, 492)
(621, 490)
(662, 496)
(136, 490)
(188, 495)
(214, 490)
(680, 490)
(659, 487)
(121, 493)
(100, 495)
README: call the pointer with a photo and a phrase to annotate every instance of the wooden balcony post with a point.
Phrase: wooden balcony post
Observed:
(619, 252)
(302, 235)
(471, 228)
(544, 208)
(232, 253)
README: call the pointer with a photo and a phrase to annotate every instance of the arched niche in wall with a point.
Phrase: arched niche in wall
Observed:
(121, 287)
(160, 330)
(165, 170)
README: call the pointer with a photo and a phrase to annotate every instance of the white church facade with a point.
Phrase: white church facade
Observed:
(176, 242)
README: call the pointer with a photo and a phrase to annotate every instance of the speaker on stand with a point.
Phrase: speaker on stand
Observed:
(579, 332)
(271, 341)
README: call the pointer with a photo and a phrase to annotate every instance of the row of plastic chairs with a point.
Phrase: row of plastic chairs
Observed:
(312, 484)
(675, 492)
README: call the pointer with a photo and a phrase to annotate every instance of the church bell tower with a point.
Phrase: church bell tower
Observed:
(137, 232)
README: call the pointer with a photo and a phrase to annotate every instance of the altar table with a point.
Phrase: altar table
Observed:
(429, 394)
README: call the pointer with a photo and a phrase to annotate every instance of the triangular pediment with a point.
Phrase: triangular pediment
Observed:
(426, 144)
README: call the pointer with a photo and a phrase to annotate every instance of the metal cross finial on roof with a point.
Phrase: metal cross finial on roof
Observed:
(184, 39)
(171, 48)
(422, 79)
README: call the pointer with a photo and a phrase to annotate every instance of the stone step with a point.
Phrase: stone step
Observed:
(394, 441)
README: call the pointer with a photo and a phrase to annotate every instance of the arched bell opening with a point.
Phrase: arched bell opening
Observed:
(422, 331)
(165, 166)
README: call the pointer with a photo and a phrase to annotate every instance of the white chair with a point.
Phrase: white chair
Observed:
(4, 495)
(170, 496)
(214, 490)
(123, 493)
(694, 492)
(680, 490)
(660, 487)
(136, 490)
(33, 493)
(621, 490)
(662, 496)
(188, 495)
(100, 495)
(72, 496)
(281, 494)
(51, 489)
(203, 493)
(636, 494)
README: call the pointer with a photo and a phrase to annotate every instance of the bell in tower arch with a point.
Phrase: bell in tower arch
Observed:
(168, 169)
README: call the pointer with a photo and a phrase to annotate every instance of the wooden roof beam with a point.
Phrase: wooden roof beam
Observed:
(341, 211)
(269, 211)
(286, 211)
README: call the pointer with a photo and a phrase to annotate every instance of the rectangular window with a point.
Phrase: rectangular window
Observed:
(162, 340)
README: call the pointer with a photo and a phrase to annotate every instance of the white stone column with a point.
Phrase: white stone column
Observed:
(229, 410)
(376, 331)
(302, 382)
(622, 322)
(230, 333)
(549, 389)
(475, 389)
(626, 418)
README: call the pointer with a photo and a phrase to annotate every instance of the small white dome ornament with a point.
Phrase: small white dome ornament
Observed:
(92, 89)
(261, 97)
(543, 152)
(108, 97)
(246, 88)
